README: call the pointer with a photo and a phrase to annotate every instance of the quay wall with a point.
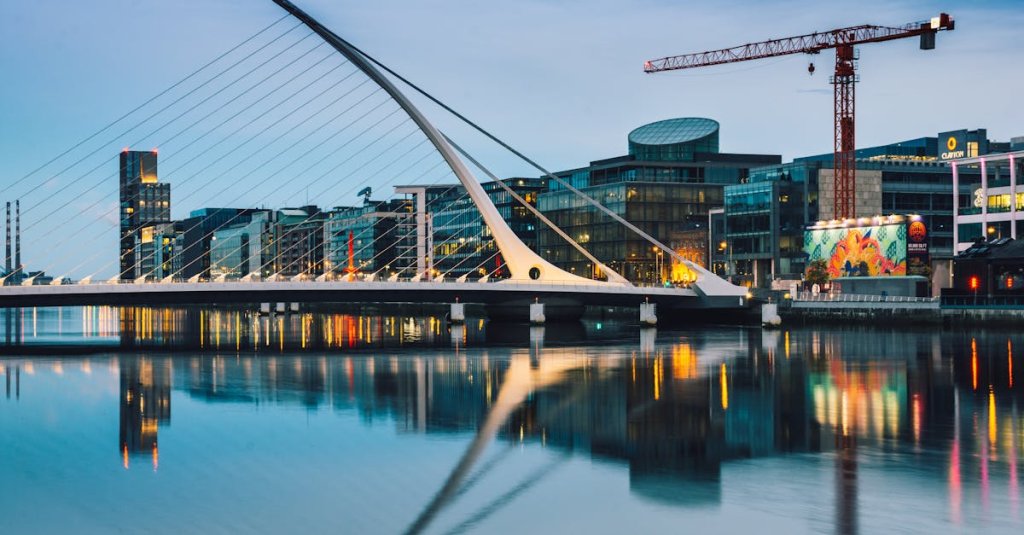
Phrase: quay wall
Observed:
(892, 313)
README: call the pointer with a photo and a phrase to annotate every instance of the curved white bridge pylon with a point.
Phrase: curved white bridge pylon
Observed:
(523, 263)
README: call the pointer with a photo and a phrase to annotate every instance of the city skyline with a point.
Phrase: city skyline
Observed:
(522, 70)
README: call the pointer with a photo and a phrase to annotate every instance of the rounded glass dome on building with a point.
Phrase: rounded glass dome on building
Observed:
(674, 139)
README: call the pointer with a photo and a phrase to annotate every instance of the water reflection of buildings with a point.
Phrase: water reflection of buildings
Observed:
(145, 403)
(675, 413)
(58, 325)
(248, 330)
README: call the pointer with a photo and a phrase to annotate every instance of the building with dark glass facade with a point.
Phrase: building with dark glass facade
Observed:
(452, 228)
(198, 233)
(671, 177)
(240, 250)
(144, 203)
(298, 242)
(378, 231)
(766, 217)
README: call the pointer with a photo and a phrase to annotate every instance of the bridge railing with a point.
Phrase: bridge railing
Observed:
(861, 298)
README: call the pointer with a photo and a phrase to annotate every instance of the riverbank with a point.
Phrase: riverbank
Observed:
(897, 311)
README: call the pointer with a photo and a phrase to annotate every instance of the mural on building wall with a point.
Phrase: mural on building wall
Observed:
(866, 251)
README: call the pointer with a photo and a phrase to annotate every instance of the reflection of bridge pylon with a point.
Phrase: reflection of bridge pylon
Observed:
(524, 375)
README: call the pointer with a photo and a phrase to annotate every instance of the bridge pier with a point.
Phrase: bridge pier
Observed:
(648, 315)
(457, 314)
(537, 313)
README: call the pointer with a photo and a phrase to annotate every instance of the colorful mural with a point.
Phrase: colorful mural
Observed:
(859, 251)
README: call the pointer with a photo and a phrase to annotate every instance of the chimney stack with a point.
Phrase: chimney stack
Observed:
(17, 238)
(7, 264)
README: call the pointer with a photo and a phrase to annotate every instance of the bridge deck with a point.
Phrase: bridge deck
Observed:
(155, 294)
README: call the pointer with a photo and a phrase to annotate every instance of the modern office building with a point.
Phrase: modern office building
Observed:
(377, 231)
(764, 221)
(241, 250)
(145, 203)
(765, 218)
(298, 242)
(992, 204)
(672, 176)
(448, 224)
(158, 251)
(198, 231)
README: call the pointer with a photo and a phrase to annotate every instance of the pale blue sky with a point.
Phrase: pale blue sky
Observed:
(562, 81)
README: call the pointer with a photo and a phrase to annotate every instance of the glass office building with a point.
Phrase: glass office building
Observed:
(145, 205)
(666, 185)
(454, 233)
(379, 230)
(764, 222)
(763, 241)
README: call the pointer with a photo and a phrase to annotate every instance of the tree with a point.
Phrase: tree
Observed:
(817, 273)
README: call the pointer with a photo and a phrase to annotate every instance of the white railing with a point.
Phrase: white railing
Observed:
(861, 298)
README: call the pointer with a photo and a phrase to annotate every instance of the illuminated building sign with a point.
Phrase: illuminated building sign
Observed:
(955, 148)
(960, 144)
(918, 259)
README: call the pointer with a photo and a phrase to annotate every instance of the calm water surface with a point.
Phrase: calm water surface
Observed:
(223, 421)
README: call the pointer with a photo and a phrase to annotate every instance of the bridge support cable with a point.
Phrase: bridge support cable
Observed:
(284, 151)
(218, 109)
(169, 122)
(304, 154)
(308, 151)
(523, 262)
(610, 273)
(713, 282)
(248, 107)
(149, 101)
(531, 480)
(310, 218)
(395, 227)
(454, 202)
(148, 118)
(250, 139)
(329, 171)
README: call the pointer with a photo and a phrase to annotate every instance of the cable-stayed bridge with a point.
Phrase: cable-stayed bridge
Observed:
(293, 109)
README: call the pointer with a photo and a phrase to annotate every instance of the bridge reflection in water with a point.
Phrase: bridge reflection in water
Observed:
(674, 412)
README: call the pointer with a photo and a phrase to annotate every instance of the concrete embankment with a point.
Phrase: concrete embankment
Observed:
(851, 313)
(898, 313)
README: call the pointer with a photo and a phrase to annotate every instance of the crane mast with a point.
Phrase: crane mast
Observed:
(843, 40)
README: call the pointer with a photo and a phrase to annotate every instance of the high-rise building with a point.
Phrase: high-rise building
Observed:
(145, 203)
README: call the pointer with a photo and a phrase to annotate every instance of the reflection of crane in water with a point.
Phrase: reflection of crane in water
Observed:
(526, 373)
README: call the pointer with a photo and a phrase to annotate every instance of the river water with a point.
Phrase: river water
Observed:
(219, 421)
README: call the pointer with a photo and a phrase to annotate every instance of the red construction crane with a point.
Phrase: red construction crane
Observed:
(843, 40)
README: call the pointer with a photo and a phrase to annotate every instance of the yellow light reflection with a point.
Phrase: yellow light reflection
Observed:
(657, 378)
(684, 361)
(723, 380)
